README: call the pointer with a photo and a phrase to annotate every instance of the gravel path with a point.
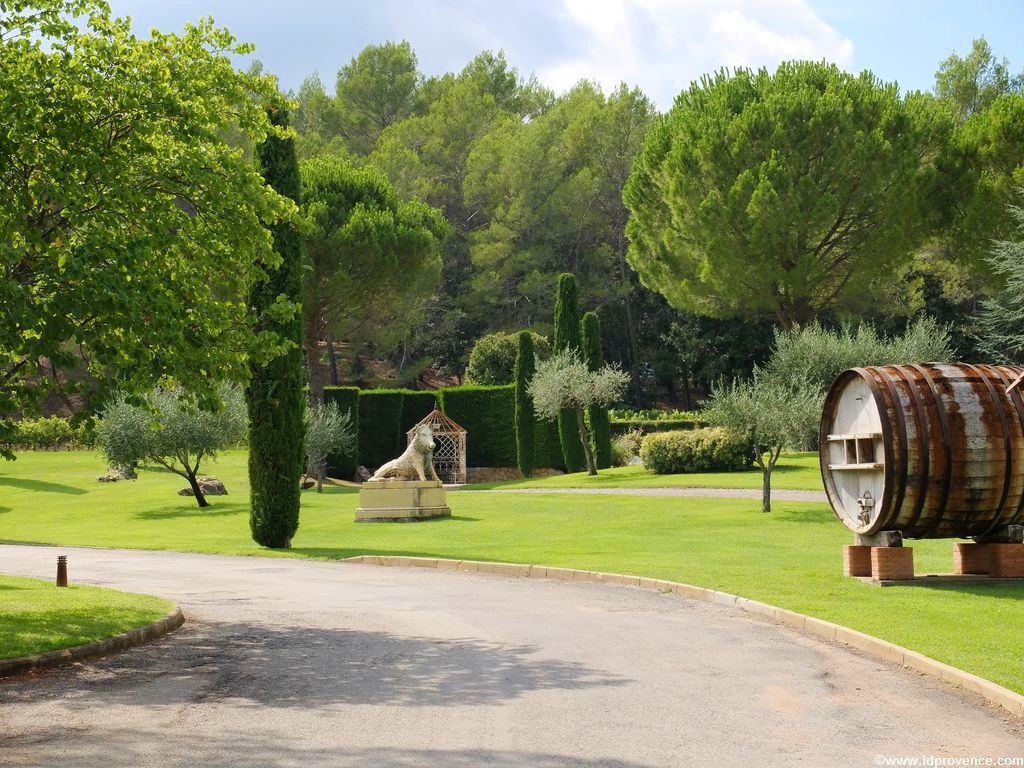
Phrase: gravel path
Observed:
(715, 493)
(298, 663)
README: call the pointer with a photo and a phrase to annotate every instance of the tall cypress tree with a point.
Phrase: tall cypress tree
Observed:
(597, 416)
(274, 396)
(526, 366)
(567, 337)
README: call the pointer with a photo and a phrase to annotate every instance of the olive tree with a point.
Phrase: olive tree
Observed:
(565, 382)
(817, 355)
(328, 431)
(776, 414)
(167, 428)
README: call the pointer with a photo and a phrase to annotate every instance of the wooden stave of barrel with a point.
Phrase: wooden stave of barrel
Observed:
(953, 445)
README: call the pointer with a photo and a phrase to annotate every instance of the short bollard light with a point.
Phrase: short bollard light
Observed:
(62, 570)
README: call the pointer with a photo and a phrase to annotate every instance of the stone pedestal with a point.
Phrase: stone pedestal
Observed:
(892, 563)
(395, 501)
(1007, 560)
(856, 560)
(1002, 561)
(971, 558)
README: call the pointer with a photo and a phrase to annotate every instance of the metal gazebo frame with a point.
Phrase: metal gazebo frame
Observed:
(450, 442)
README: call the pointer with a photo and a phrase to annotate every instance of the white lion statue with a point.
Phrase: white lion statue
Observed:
(417, 461)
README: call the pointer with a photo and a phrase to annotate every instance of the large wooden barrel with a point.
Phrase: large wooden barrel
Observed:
(932, 450)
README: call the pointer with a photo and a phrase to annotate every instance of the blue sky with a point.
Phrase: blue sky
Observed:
(660, 45)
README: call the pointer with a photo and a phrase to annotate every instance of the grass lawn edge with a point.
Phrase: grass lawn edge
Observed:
(95, 649)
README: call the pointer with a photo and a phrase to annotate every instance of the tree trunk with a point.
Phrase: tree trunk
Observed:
(766, 477)
(332, 361)
(321, 471)
(585, 439)
(200, 499)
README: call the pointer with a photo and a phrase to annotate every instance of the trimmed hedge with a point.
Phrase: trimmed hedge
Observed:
(381, 437)
(700, 450)
(415, 407)
(347, 399)
(547, 446)
(487, 413)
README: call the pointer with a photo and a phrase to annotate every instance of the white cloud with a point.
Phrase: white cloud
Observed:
(663, 45)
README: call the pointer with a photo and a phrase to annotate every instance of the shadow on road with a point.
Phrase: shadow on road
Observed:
(306, 667)
(133, 747)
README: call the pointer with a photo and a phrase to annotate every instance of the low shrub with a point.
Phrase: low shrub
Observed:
(47, 432)
(711, 449)
(652, 414)
(620, 428)
(626, 447)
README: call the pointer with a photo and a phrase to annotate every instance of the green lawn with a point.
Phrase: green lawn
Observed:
(791, 557)
(36, 616)
(794, 472)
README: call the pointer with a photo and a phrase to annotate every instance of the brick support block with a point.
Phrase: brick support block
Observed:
(971, 558)
(1007, 561)
(892, 563)
(856, 560)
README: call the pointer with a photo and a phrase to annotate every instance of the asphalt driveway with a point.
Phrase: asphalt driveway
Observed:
(297, 663)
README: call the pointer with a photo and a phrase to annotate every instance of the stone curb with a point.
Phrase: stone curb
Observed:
(130, 639)
(826, 630)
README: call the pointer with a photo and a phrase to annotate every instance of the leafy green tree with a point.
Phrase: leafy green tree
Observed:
(373, 259)
(376, 89)
(567, 339)
(425, 157)
(525, 368)
(130, 229)
(493, 357)
(597, 415)
(991, 146)
(275, 399)
(564, 382)
(817, 197)
(169, 429)
(973, 82)
(551, 193)
(1002, 317)
(317, 121)
(328, 431)
(703, 351)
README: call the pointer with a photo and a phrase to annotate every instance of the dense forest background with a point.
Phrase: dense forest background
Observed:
(530, 185)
